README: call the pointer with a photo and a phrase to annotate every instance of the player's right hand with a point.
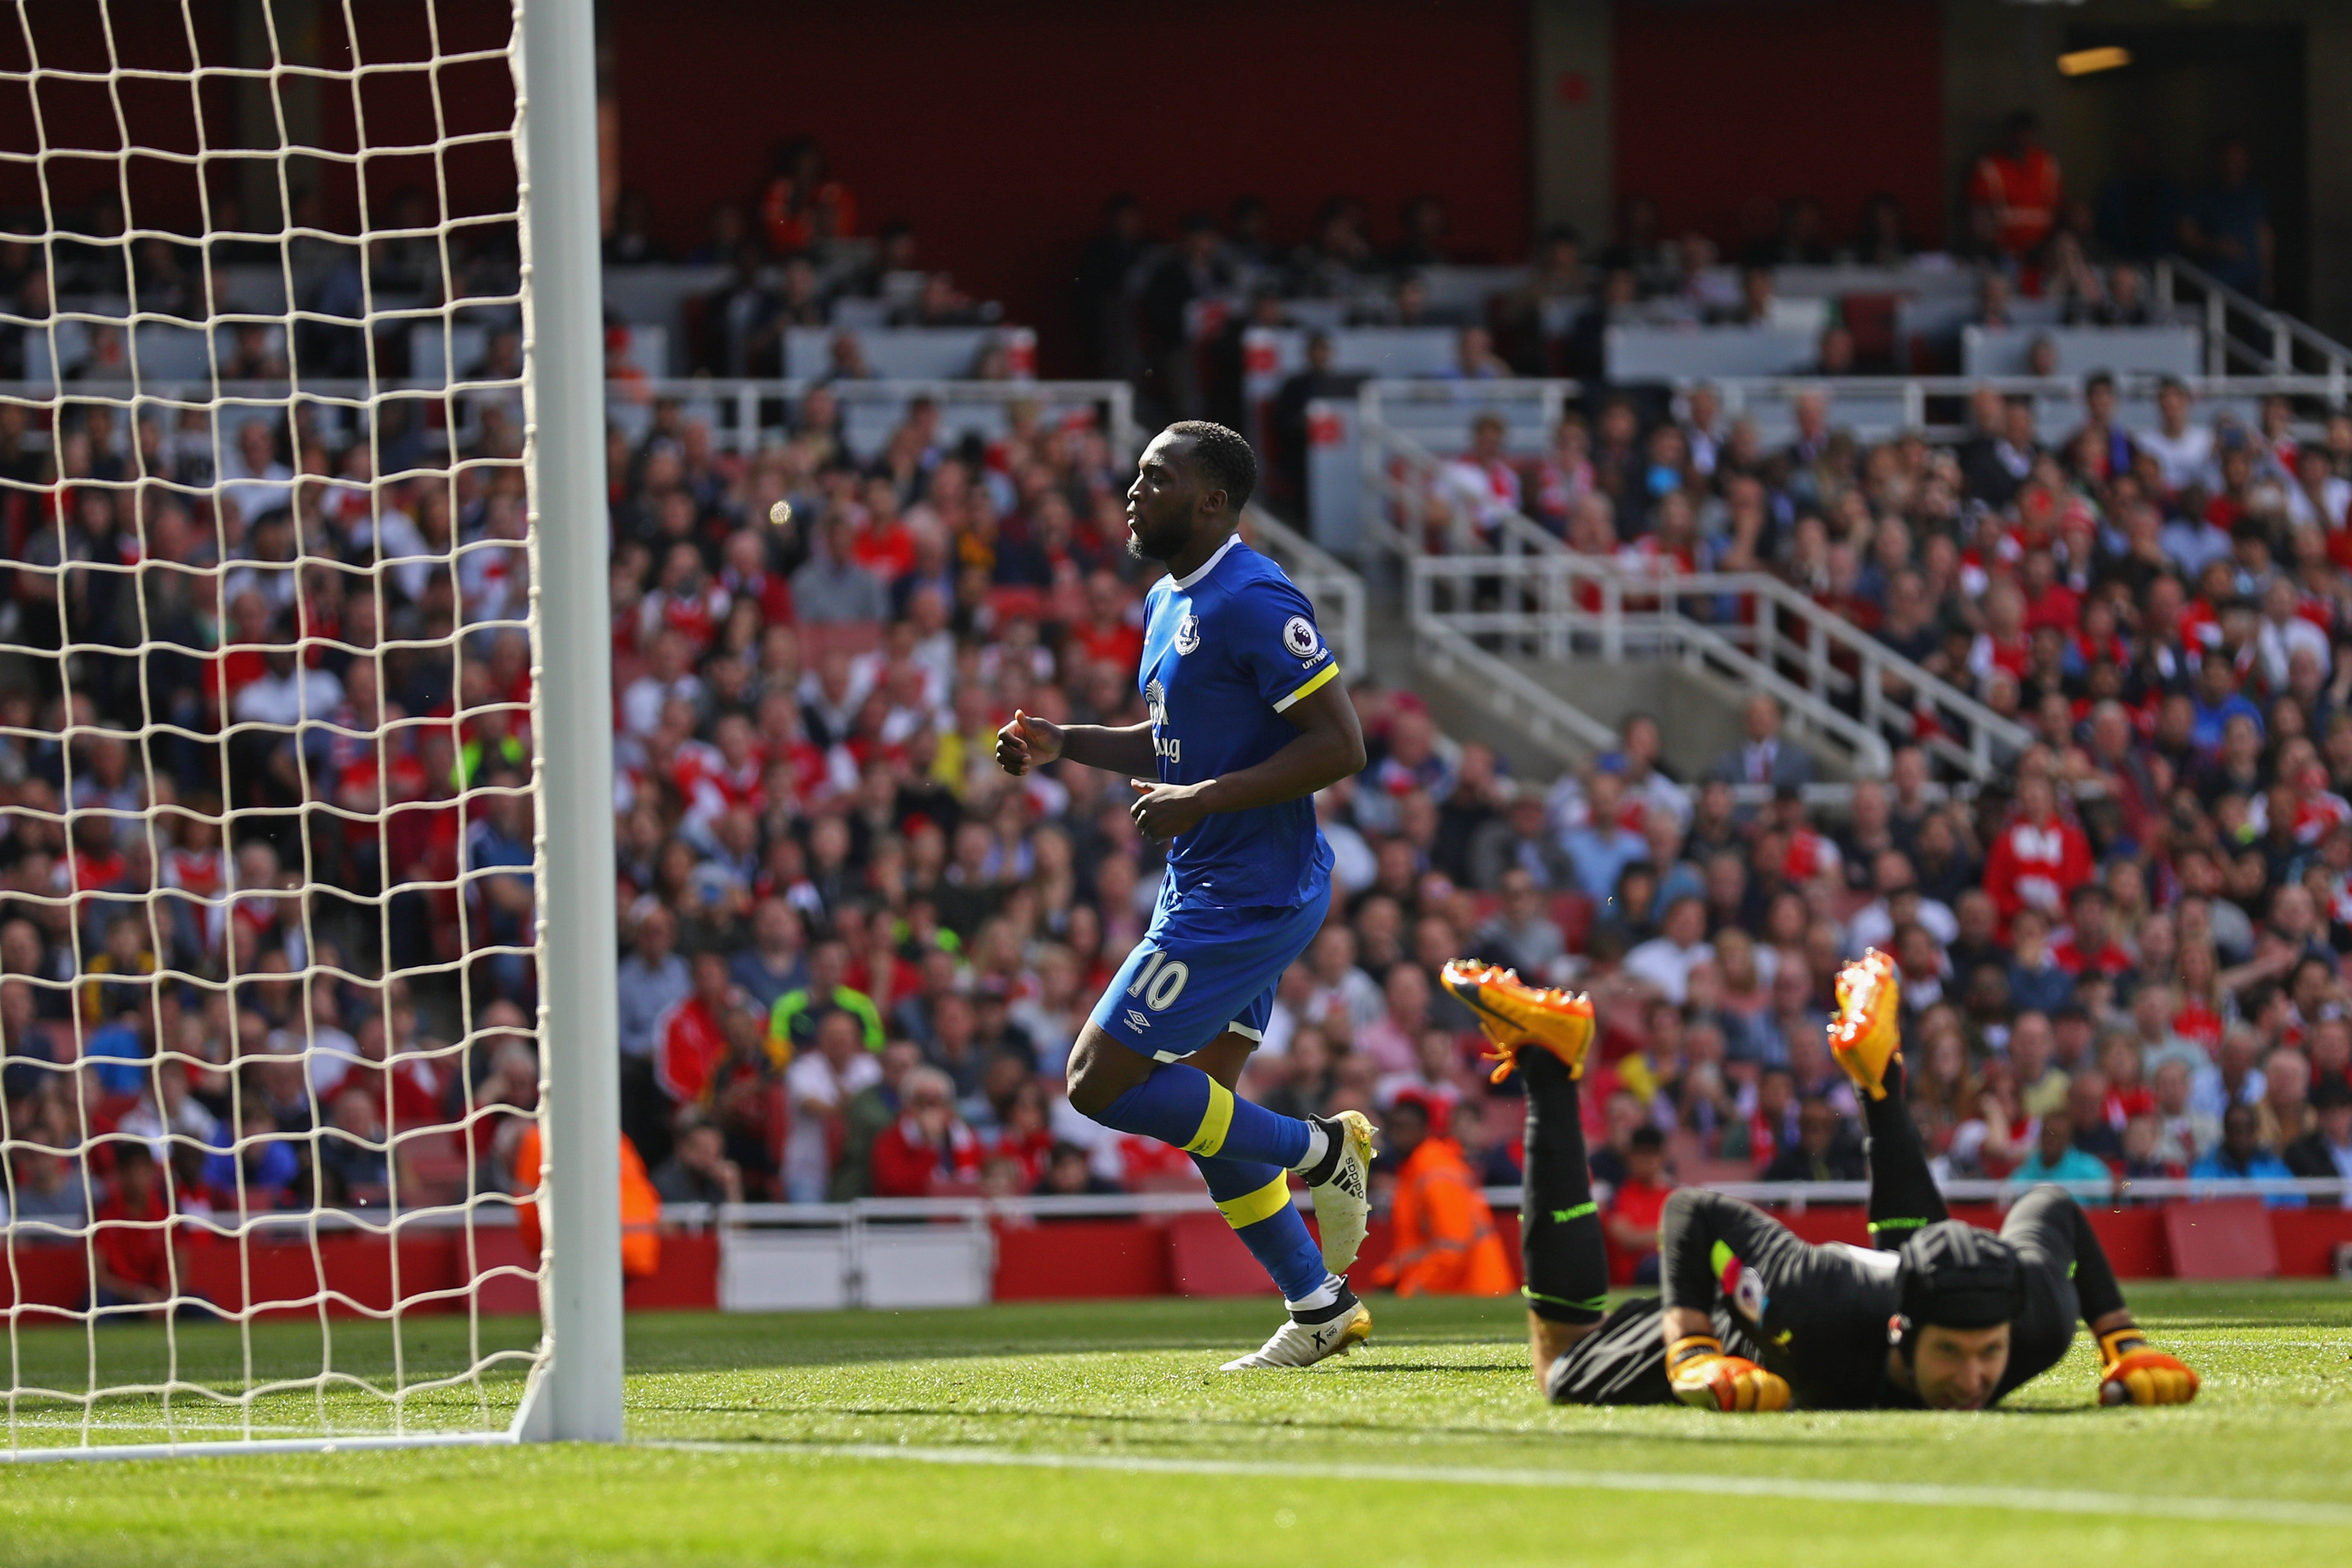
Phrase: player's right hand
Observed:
(1702, 1375)
(1027, 742)
(2131, 1374)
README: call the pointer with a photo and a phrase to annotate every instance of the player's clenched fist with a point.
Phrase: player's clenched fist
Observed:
(1027, 742)
(2131, 1374)
(1703, 1377)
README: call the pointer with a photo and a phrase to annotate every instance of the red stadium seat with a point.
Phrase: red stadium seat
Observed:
(1573, 913)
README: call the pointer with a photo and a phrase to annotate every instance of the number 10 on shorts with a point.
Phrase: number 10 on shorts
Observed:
(1160, 983)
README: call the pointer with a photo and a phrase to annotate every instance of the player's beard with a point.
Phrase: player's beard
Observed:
(1147, 544)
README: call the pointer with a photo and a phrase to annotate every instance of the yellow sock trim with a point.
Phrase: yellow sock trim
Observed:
(1251, 1207)
(1215, 1122)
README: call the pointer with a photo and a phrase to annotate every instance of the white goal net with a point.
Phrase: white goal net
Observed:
(270, 659)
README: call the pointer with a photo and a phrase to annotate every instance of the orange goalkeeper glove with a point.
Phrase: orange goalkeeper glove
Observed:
(1703, 1377)
(2131, 1374)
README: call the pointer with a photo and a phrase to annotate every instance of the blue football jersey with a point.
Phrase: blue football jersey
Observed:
(1226, 652)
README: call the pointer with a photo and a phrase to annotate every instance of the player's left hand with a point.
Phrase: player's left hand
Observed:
(1162, 811)
(1701, 1375)
(2131, 1374)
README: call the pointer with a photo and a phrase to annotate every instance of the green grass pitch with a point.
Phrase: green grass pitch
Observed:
(1103, 1434)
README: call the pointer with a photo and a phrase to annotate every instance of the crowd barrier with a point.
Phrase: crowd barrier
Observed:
(897, 1254)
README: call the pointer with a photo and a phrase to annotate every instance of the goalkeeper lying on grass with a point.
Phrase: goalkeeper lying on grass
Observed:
(1749, 1317)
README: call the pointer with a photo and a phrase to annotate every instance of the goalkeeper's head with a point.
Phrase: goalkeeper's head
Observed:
(1960, 1287)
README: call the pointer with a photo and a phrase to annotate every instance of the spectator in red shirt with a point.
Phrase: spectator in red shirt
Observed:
(1630, 1219)
(690, 1039)
(803, 202)
(929, 1152)
(131, 1249)
(1112, 633)
(883, 543)
(2048, 602)
(2089, 946)
(2128, 1096)
(746, 575)
(2013, 194)
(2039, 858)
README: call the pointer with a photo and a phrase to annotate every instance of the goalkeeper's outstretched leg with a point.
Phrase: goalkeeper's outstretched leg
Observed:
(1865, 1041)
(1580, 1351)
(1751, 1318)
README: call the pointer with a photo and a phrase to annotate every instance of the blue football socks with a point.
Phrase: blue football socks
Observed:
(1184, 1106)
(1255, 1201)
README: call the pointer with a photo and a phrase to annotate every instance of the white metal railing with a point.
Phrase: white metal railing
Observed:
(1525, 596)
(1339, 594)
(743, 399)
(1935, 407)
(1509, 693)
(738, 412)
(1413, 496)
(1144, 1205)
(2275, 343)
(1829, 673)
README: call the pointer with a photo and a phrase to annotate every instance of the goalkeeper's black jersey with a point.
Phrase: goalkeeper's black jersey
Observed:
(1819, 1315)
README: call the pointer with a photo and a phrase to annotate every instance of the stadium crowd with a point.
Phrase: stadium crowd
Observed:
(857, 954)
(2126, 962)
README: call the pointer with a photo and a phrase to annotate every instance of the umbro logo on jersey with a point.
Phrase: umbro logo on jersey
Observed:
(1137, 1020)
(1188, 633)
(1297, 635)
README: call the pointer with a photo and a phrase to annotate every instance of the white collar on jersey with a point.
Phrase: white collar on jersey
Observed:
(1205, 567)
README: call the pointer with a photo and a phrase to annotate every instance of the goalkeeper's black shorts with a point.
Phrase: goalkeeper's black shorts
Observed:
(1623, 1360)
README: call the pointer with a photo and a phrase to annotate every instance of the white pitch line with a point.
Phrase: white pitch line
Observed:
(2245, 1510)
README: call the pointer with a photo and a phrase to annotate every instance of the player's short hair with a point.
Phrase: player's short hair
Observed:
(1224, 459)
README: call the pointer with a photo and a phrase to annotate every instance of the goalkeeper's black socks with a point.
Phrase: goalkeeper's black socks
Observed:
(1903, 1195)
(1559, 1226)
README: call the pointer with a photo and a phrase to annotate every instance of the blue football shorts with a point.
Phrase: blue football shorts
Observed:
(1199, 972)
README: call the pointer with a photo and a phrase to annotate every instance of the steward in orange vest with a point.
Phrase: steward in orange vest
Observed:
(1445, 1243)
(640, 1206)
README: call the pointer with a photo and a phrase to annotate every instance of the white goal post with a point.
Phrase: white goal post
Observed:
(307, 919)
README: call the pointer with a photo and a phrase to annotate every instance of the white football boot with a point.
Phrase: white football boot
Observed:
(1303, 1344)
(1343, 1198)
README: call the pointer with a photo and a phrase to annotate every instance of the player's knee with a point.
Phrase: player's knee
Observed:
(1086, 1091)
(1096, 1076)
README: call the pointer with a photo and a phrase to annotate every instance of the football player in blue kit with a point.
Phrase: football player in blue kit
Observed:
(1248, 719)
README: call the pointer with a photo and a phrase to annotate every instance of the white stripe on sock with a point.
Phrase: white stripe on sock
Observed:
(1323, 1295)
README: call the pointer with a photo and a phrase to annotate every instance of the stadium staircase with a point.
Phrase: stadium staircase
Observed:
(1561, 647)
(1544, 652)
